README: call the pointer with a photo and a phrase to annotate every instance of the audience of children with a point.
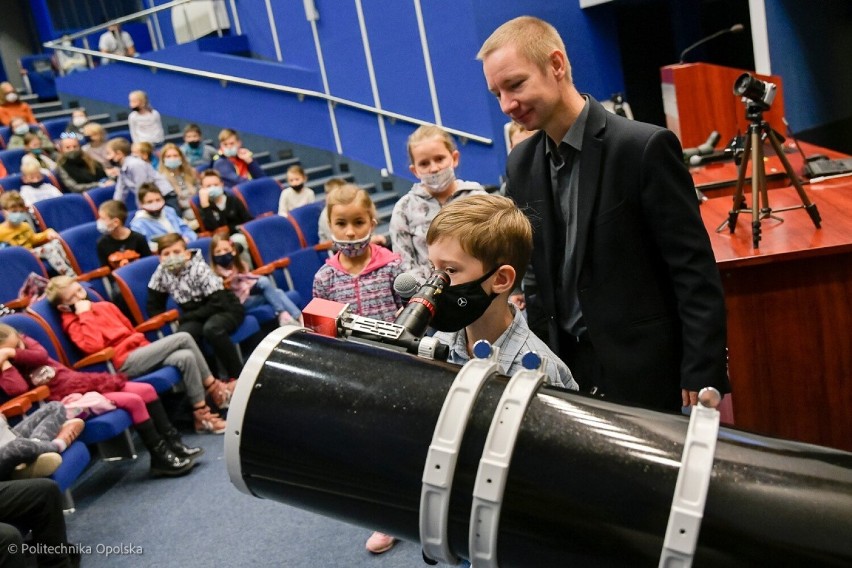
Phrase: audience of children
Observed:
(94, 326)
(144, 122)
(140, 400)
(155, 218)
(209, 311)
(196, 151)
(16, 230)
(96, 145)
(233, 162)
(183, 177)
(251, 289)
(76, 169)
(434, 157)
(361, 274)
(118, 244)
(35, 185)
(134, 171)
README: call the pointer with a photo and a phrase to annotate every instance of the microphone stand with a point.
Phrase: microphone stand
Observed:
(736, 28)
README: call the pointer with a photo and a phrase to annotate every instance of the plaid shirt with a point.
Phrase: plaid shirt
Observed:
(513, 343)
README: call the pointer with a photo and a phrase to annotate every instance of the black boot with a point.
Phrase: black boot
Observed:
(169, 433)
(163, 460)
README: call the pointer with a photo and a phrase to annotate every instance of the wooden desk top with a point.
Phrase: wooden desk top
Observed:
(795, 237)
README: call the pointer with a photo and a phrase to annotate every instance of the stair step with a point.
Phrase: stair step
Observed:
(116, 125)
(324, 171)
(384, 198)
(47, 107)
(279, 166)
(42, 116)
(385, 212)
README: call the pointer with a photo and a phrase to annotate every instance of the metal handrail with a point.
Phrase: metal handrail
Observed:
(300, 93)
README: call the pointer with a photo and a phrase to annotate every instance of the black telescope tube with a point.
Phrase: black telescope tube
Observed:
(342, 429)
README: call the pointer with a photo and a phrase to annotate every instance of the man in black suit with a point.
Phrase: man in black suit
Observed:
(622, 259)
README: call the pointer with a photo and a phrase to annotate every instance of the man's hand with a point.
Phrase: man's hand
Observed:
(689, 398)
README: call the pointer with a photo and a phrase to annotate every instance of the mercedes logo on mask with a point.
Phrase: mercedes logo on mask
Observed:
(462, 302)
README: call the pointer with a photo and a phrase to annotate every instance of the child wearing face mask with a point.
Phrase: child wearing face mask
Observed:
(144, 122)
(17, 231)
(361, 274)
(20, 129)
(118, 244)
(220, 210)
(297, 194)
(34, 184)
(175, 167)
(434, 157)
(208, 311)
(35, 152)
(484, 244)
(12, 106)
(196, 151)
(155, 219)
(133, 171)
(252, 289)
(233, 162)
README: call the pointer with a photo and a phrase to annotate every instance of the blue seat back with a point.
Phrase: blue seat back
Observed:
(203, 244)
(97, 195)
(11, 182)
(307, 219)
(304, 264)
(271, 238)
(119, 134)
(41, 75)
(11, 160)
(259, 195)
(5, 134)
(17, 263)
(54, 127)
(132, 280)
(82, 242)
(64, 212)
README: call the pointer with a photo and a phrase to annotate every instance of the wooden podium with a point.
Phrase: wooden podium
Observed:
(699, 98)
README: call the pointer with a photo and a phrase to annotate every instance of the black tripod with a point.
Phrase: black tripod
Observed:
(759, 196)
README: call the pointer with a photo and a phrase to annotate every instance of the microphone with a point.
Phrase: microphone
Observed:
(421, 307)
(406, 284)
(735, 29)
(710, 158)
(703, 149)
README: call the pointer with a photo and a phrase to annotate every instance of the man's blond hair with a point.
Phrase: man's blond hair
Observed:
(490, 228)
(533, 38)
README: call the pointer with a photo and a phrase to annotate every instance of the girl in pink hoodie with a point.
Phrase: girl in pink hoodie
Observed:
(361, 274)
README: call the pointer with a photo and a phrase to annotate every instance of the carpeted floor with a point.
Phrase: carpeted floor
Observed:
(202, 520)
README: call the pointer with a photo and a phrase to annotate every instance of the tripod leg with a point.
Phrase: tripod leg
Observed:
(739, 198)
(809, 206)
(757, 176)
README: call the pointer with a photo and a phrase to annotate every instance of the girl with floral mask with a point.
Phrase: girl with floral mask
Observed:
(252, 289)
(434, 158)
(361, 274)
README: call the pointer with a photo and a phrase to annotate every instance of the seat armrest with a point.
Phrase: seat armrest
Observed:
(17, 406)
(158, 321)
(94, 274)
(103, 356)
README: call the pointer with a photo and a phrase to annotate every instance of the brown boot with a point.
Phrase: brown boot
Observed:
(208, 422)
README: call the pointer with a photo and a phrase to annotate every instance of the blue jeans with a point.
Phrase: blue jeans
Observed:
(270, 294)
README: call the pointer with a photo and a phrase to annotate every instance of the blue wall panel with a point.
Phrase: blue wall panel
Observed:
(343, 53)
(398, 58)
(255, 26)
(359, 136)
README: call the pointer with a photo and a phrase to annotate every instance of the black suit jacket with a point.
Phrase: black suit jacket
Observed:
(648, 284)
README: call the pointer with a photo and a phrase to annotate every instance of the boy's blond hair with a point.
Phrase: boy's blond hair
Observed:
(55, 287)
(350, 193)
(30, 167)
(168, 240)
(427, 132)
(11, 199)
(119, 145)
(226, 133)
(533, 38)
(7, 331)
(490, 228)
(297, 169)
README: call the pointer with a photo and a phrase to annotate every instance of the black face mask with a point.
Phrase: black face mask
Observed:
(462, 304)
(114, 162)
(298, 186)
(194, 144)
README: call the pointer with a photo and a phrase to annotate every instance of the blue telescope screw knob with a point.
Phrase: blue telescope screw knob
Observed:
(482, 349)
(531, 360)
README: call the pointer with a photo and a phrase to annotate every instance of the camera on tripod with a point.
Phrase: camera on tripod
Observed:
(759, 93)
